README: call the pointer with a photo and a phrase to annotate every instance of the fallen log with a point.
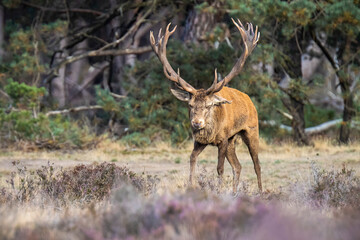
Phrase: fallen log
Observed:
(310, 130)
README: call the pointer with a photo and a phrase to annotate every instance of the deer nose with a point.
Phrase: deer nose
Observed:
(198, 124)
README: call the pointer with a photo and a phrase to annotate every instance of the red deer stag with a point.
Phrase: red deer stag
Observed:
(219, 114)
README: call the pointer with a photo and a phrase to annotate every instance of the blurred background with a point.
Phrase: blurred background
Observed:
(75, 72)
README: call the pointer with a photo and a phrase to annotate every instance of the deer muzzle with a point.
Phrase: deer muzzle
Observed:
(198, 124)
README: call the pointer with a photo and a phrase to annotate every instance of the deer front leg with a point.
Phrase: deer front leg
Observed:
(221, 159)
(198, 148)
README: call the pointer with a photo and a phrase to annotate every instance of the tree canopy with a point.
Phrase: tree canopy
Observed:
(58, 55)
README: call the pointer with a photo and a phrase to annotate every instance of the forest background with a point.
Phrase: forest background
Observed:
(75, 72)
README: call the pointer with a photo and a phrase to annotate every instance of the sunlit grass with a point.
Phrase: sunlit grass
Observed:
(288, 179)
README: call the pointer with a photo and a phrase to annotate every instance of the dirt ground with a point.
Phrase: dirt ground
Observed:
(281, 164)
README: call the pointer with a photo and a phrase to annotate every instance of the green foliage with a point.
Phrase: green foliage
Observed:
(23, 95)
(137, 139)
(26, 123)
(149, 110)
(340, 17)
(27, 49)
(316, 115)
(42, 131)
(20, 125)
(279, 21)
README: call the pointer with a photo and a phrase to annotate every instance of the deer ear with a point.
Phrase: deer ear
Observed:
(219, 100)
(180, 94)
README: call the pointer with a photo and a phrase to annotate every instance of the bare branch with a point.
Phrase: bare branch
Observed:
(96, 38)
(285, 114)
(130, 31)
(94, 12)
(75, 109)
(101, 51)
(90, 77)
(325, 51)
(5, 94)
(117, 95)
(67, 8)
(98, 53)
(79, 35)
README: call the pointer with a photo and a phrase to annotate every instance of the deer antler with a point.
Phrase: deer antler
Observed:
(250, 40)
(160, 50)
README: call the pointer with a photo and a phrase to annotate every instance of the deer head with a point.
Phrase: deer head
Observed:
(202, 103)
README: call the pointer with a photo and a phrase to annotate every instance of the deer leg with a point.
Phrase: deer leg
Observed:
(251, 139)
(234, 162)
(221, 159)
(198, 148)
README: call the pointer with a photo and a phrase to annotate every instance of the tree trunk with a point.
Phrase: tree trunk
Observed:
(343, 55)
(57, 87)
(75, 76)
(296, 109)
(114, 30)
(294, 102)
(345, 83)
(197, 25)
(349, 110)
(1, 33)
(201, 22)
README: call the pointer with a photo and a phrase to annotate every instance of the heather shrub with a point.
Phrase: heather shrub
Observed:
(80, 184)
(210, 182)
(191, 215)
(335, 188)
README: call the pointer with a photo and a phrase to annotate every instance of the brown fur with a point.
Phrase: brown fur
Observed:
(223, 123)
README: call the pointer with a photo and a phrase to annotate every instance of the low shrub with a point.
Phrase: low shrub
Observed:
(335, 188)
(80, 184)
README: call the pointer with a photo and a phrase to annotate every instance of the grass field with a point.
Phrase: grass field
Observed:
(286, 210)
(281, 164)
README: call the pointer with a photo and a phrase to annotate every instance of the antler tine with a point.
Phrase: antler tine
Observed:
(216, 86)
(211, 89)
(168, 33)
(257, 35)
(250, 40)
(165, 38)
(152, 39)
(159, 48)
(238, 22)
(159, 35)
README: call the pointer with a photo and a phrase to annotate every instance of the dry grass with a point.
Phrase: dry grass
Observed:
(282, 164)
(288, 177)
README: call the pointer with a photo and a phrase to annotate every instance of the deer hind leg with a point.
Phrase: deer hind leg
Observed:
(234, 162)
(198, 148)
(251, 139)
